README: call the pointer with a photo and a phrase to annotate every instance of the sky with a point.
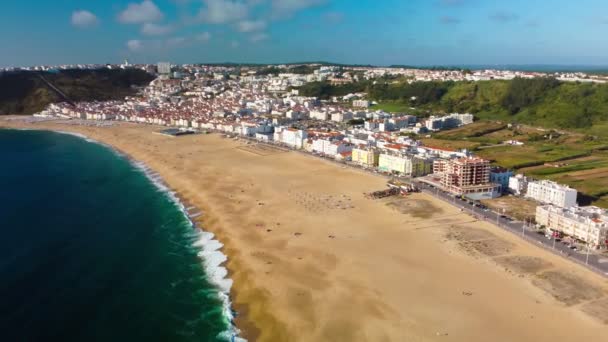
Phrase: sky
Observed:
(378, 32)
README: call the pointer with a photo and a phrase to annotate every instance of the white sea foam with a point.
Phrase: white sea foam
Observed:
(82, 136)
(86, 138)
(211, 256)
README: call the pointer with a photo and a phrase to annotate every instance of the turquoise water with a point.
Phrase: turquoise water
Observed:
(92, 250)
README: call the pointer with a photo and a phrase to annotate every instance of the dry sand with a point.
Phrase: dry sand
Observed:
(313, 260)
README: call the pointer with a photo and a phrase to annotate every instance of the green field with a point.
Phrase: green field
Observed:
(566, 157)
(392, 107)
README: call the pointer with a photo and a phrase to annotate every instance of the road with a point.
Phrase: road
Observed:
(594, 262)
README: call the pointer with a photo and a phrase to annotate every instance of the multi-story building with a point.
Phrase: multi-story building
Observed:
(342, 116)
(164, 68)
(501, 176)
(466, 176)
(588, 224)
(550, 192)
(368, 158)
(319, 115)
(330, 147)
(434, 123)
(518, 184)
(291, 137)
(405, 165)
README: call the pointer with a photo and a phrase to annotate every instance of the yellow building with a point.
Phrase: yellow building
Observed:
(408, 165)
(367, 158)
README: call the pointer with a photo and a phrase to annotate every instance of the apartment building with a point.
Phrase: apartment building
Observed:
(330, 147)
(549, 192)
(367, 158)
(291, 137)
(518, 184)
(501, 176)
(405, 165)
(466, 176)
(588, 224)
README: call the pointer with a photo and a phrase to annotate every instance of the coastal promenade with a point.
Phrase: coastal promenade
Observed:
(312, 259)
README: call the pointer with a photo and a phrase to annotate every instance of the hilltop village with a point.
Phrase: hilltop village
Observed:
(268, 109)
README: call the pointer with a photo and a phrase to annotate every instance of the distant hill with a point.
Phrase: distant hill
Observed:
(544, 102)
(23, 92)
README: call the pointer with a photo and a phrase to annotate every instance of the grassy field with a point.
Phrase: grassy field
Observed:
(450, 144)
(570, 158)
(392, 107)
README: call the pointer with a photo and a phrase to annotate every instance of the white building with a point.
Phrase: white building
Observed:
(342, 116)
(329, 147)
(518, 184)
(550, 192)
(319, 115)
(292, 137)
(588, 224)
(361, 103)
(434, 123)
(164, 68)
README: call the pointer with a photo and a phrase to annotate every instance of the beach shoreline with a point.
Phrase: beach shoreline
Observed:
(187, 210)
(280, 295)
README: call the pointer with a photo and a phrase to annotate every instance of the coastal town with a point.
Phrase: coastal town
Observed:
(304, 170)
(267, 109)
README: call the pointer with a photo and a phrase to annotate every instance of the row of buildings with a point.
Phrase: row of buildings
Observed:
(559, 212)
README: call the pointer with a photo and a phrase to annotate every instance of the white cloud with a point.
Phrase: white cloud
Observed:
(84, 19)
(251, 25)
(176, 41)
(223, 11)
(135, 45)
(285, 8)
(145, 12)
(258, 37)
(234, 44)
(203, 37)
(151, 29)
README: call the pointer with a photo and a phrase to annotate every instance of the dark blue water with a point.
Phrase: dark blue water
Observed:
(90, 250)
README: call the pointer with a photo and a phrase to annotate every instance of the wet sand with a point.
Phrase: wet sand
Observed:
(313, 260)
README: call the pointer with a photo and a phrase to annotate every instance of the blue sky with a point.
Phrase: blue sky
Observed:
(380, 32)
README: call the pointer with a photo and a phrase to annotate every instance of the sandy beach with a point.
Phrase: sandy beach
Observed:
(313, 260)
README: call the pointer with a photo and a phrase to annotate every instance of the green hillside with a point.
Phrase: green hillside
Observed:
(542, 102)
(24, 93)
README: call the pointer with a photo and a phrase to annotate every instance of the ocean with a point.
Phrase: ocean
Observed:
(95, 248)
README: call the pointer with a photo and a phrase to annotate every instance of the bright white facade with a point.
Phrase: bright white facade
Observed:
(330, 148)
(291, 137)
(518, 184)
(588, 224)
(550, 192)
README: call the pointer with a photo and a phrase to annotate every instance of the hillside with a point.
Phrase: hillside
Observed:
(24, 93)
(542, 102)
